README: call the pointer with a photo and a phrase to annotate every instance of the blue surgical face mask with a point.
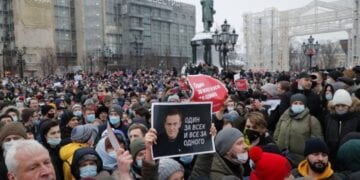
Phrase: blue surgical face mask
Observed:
(54, 141)
(328, 97)
(114, 120)
(186, 159)
(297, 108)
(113, 154)
(90, 118)
(139, 162)
(88, 171)
(77, 113)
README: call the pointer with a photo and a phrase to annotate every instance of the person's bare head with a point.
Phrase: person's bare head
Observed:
(28, 159)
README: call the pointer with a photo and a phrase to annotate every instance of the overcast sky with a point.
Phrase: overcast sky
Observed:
(232, 10)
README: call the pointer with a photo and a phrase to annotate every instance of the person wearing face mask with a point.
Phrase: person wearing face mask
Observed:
(76, 109)
(13, 112)
(316, 165)
(115, 115)
(89, 117)
(107, 152)
(51, 138)
(231, 153)
(137, 149)
(9, 133)
(86, 163)
(343, 118)
(303, 85)
(256, 133)
(81, 136)
(47, 112)
(295, 126)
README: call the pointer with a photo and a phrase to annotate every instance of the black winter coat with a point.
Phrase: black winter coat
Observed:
(338, 126)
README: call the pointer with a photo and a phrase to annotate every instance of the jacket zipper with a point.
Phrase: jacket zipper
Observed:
(340, 128)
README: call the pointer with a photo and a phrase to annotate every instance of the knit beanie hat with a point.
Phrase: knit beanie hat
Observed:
(45, 109)
(315, 145)
(136, 146)
(270, 89)
(117, 109)
(12, 128)
(167, 167)
(298, 97)
(231, 116)
(268, 166)
(341, 96)
(66, 117)
(76, 106)
(82, 133)
(225, 139)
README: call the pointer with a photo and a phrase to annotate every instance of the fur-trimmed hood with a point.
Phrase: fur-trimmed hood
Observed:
(7, 109)
(355, 106)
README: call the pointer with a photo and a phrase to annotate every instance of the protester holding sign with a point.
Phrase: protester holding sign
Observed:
(181, 129)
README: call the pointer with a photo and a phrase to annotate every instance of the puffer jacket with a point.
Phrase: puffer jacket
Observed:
(66, 155)
(292, 132)
(337, 126)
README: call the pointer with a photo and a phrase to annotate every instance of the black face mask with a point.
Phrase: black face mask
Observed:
(51, 115)
(252, 135)
(318, 167)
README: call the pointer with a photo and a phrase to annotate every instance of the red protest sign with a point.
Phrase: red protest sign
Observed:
(242, 85)
(206, 88)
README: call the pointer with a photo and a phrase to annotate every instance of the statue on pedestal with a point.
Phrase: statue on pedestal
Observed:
(208, 13)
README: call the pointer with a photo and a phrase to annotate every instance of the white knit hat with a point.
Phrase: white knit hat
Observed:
(341, 96)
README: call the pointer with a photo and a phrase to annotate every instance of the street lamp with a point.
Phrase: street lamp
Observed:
(224, 42)
(20, 52)
(106, 53)
(310, 49)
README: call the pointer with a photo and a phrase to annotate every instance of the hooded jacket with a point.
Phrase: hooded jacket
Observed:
(292, 132)
(337, 126)
(348, 158)
(328, 174)
(109, 163)
(66, 155)
(79, 153)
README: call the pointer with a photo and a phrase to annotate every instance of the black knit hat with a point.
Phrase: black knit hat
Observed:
(315, 145)
(335, 75)
(298, 97)
(45, 109)
(66, 117)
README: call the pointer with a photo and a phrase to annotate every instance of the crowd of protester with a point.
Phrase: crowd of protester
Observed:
(287, 125)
